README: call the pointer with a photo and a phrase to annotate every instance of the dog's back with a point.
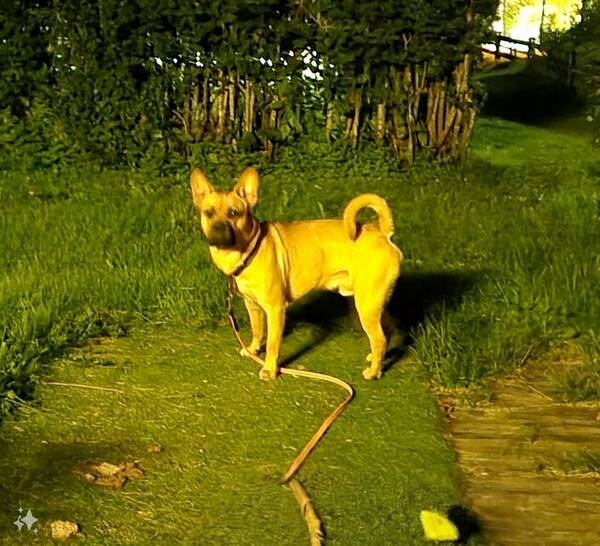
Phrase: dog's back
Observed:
(319, 254)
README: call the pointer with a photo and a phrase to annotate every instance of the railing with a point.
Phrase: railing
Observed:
(511, 48)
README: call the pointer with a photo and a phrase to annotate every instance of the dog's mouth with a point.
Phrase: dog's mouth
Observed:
(221, 235)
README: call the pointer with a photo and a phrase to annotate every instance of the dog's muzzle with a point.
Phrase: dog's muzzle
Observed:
(221, 234)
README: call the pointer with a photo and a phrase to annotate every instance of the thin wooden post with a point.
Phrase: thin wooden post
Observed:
(571, 68)
(542, 20)
(531, 48)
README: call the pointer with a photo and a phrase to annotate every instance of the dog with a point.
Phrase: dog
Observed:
(274, 264)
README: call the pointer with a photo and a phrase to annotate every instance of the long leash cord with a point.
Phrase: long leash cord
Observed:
(313, 522)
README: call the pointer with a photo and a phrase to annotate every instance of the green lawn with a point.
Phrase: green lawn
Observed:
(227, 437)
(501, 254)
(502, 263)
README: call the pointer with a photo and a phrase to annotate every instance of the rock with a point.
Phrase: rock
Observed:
(62, 530)
(106, 469)
(108, 474)
(154, 447)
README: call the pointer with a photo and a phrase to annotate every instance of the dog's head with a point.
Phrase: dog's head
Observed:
(226, 216)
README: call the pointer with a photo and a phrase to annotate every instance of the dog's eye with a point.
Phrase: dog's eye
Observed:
(209, 213)
(232, 213)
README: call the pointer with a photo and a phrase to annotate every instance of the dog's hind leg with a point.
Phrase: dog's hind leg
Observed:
(352, 313)
(369, 312)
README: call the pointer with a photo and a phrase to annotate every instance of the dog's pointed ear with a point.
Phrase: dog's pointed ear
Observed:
(247, 186)
(200, 186)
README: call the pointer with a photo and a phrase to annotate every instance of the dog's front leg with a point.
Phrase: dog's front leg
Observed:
(257, 325)
(275, 322)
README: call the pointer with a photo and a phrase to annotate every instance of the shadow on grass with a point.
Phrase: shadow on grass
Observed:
(44, 470)
(323, 310)
(416, 296)
(466, 522)
(527, 93)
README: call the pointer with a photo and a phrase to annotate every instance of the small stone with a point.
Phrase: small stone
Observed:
(62, 530)
(107, 469)
(132, 470)
(135, 473)
(154, 447)
(115, 481)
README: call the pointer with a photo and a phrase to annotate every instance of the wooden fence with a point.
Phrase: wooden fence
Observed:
(507, 48)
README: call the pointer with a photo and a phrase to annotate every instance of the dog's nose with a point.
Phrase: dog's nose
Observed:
(220, 234)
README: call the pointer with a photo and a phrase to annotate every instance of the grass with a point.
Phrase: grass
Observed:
(534, 225)
(84, 252)
(526, 91)
(580, 462)
(226, 438)
(502, 264)
(502, 254)
(579, 380)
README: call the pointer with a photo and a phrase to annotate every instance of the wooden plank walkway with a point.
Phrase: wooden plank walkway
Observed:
(510, 453)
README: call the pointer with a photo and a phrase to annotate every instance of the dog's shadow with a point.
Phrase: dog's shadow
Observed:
(416, 296)
(323, 311)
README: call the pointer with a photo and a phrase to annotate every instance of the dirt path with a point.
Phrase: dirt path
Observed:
(513, 453)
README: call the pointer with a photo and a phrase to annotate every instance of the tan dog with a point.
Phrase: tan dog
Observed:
(274, 264)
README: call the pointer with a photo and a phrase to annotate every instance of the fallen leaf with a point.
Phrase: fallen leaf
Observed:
(437, 526)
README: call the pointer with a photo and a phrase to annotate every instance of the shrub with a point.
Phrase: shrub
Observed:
(580, 44)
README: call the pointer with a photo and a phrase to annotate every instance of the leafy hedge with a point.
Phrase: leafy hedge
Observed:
(580, 47)
(141, 81)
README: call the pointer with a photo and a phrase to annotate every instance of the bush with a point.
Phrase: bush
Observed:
(37, 139)
(582, 40)
(141, 82)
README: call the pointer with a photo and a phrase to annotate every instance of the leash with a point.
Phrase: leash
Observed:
(312, 520)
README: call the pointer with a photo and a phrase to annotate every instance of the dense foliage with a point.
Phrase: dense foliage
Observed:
(140, 81)
(577, 51)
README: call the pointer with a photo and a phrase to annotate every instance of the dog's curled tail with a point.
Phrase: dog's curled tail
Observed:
(374, 202)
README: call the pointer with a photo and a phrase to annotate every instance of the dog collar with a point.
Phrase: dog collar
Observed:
(250, 251)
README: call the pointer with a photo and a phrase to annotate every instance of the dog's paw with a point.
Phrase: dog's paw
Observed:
(256, 347)
(249, 351)
(369, 373)
(267, 375)
(369, 357)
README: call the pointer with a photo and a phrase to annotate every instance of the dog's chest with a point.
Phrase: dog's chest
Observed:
(247, 288)
(258, 292)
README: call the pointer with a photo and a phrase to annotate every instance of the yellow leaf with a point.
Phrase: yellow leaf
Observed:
(437, 526)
